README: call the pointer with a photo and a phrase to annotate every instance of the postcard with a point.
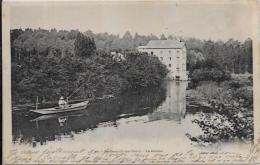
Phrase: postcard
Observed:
(131, 82)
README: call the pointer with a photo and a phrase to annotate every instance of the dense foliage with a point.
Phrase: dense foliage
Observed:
(232, 118)
(208, 60)
(233, 56)
(50, 63)
(208, 70)
(84, 46)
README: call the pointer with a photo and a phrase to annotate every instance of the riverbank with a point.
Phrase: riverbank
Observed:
(231, 109)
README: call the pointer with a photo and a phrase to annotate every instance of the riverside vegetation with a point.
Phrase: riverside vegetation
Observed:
(230, 98)
(221, 74)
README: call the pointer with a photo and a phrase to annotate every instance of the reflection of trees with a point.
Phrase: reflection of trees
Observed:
(135, 103)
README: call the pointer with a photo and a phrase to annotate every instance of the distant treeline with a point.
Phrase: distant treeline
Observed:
(49, 64)
(232, 55)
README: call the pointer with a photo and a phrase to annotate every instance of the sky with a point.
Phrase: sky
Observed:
(219, 21)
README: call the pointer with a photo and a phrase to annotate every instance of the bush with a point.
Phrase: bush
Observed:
(233, 113)
(208, 70)
(235, 84)
(244, 96)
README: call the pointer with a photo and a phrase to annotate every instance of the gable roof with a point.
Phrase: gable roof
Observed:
(163, 44)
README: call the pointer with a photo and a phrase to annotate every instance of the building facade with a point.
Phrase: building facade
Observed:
(172, 53)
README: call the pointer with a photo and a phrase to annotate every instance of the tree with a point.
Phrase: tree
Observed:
(127, 36)
(208, 70)
(209, 49)
(84, 46)
(152, 37)
(249, 55)
(163, 37)
(55, 63)
(140, 40)
(170, 37)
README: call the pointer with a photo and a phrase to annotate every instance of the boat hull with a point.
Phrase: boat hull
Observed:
(73, 107)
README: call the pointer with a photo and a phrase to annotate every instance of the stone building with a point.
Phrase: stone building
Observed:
(172, 53)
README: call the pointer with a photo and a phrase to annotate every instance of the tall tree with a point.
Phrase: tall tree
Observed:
(84, 46)
(163, 37)
(249, 54)
(170, 37)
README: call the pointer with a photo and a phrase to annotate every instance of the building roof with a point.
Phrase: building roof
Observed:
(164, 44)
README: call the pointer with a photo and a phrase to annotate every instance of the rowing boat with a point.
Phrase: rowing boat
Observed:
(69, 108)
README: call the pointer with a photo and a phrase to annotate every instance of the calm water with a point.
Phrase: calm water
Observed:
(158, 117)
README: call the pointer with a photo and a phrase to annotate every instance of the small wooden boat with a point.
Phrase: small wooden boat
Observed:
(69, 108)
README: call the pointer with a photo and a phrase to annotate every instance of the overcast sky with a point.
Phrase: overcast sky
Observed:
(204, 21)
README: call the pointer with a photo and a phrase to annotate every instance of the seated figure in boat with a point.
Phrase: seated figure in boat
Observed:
(62, 102)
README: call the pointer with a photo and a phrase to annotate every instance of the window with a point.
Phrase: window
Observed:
(161, 58)
(170, 65)
(170, 58)
(178, 51)
(161, 52)
(170, 51)
(151, 52)
(178, 57)
(178, 70)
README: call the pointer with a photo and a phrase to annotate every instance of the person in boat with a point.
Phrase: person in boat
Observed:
(62, 102)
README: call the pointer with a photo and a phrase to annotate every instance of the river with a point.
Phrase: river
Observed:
(158, 118)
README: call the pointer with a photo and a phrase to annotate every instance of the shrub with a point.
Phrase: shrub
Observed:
(244, 96)
(233, 113)
(208, 70)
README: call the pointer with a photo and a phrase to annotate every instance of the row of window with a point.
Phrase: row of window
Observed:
(161, 58)
(178, 51)
(183, 66)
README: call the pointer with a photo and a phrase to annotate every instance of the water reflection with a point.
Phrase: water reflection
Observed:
(57, 127)
(174, 106)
